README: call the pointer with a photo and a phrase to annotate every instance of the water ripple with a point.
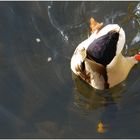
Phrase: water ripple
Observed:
(55, 25)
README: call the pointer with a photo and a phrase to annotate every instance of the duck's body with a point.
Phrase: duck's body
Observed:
(99, 61)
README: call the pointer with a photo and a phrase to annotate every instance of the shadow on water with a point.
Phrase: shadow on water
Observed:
(38, 97)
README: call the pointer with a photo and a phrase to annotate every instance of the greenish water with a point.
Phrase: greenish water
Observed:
(38, 96)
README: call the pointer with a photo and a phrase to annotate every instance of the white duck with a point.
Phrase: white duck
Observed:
(98, 60)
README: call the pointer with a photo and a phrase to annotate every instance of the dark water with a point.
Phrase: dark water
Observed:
(38, 97)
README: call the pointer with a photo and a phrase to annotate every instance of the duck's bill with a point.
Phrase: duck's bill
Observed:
(137, 57)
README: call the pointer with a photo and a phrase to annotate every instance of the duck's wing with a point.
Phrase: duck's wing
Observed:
(79, 54)
(90, 71)
(97, 74)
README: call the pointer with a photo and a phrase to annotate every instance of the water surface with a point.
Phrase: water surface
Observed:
(39, 98)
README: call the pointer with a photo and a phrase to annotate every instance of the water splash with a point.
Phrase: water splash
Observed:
(136, 39)
(112, 16)
(137, 14)
(136, 20)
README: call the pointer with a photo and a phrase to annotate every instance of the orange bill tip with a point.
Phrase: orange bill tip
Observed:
(137, 57)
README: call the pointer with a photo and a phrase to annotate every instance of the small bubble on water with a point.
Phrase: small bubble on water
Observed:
(66, 38)
(49, 59)
(38, 40)
(123, 84)
(49, 7)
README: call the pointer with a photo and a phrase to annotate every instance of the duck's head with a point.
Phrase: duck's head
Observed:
(106, 44)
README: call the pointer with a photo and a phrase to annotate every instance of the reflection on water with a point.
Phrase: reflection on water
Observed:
(39, 98)
(90, 99)
(95, 98)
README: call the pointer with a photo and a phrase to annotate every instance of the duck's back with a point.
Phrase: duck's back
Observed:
(119, 68)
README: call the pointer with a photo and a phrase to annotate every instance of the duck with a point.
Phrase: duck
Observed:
(99, 61)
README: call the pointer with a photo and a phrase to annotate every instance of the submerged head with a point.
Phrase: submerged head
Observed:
(108, 43)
